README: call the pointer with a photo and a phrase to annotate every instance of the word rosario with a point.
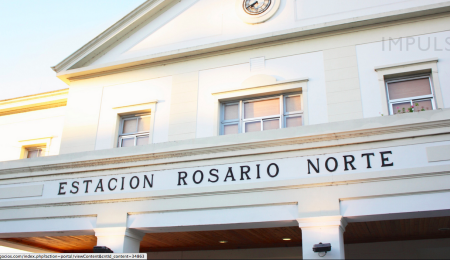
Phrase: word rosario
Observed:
(242, 171)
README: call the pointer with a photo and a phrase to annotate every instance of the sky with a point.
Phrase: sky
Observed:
(37, 34)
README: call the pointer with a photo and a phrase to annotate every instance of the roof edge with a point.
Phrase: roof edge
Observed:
(138, 15)
(240, 43)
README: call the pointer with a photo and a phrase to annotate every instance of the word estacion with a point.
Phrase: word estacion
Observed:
(111, 184)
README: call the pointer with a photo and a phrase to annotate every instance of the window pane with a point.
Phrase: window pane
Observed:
(409, 88)
(423, 104)
(127, 142)
(293, 103)
(253, 127)
(231, 129)
(144, 124)
(129, 126)
(261, 108)
(33, 153)
(142, 140)
(293, 121)
(401, 107)
(231, 112)
(271, 124)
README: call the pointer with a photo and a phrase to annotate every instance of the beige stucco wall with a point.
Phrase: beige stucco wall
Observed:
(28, 128)
(343, 98)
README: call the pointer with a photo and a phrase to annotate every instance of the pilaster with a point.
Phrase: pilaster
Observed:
(329, 229)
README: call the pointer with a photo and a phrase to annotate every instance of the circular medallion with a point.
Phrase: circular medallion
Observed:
(255, 7)
(256, 11)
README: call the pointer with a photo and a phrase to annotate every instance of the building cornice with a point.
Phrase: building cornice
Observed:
(239, 44)
(408, 63)
(270, 142)
(34, 102)
(114, 32)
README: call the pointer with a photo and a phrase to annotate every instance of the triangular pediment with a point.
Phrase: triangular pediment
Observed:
(182, 25)
(161, 30)
(185, 24)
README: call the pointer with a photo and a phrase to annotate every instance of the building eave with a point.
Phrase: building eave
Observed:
(114, 32)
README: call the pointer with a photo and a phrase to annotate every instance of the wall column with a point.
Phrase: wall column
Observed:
(326, 230)
(119, 239)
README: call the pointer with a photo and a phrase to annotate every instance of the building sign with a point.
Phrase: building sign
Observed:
(401, 157)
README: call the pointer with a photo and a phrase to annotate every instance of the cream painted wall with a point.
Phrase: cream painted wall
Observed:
(380, 53)
(308, 65)
(85, 95)
(132, 94)
(197, 22)
(30, 126)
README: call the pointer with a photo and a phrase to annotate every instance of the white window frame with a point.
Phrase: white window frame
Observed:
(411, 100)
(40, 149)
(241, 121)
(134, 135)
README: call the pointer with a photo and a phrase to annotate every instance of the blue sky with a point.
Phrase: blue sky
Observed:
(38, 34)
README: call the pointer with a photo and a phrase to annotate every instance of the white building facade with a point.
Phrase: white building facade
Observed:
(240, 129)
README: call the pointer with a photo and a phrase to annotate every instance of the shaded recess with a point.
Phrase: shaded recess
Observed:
(361, 232)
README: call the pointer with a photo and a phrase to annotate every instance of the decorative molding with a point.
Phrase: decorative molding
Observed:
(216, 208)
(408, 63)
(22, 191)
(251, 85)
(137, 105)
(325, 221)
(280, 37)
(115, 32)
(34, 102)
(229, 192)
(238, 148)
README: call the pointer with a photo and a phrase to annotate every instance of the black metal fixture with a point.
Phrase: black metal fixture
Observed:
(102, 249)
(322, 249)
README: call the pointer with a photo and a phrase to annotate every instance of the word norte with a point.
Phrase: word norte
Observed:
(331, 163)
(243, 173)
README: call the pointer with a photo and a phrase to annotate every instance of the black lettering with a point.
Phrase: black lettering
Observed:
(335, 164)
(109, 184)
(314, 167)
(123, 181)
(131, 182)
(87, 185)
(150, 183)
(368, 158)
(182, 178)
(257, 172)
(99, 186)
(346, 162)
(246, 171)
(61, 188)
(230, 175)
(76, 187)
(384, 159)
(276, 167)
(201, 179)
(215, 175)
